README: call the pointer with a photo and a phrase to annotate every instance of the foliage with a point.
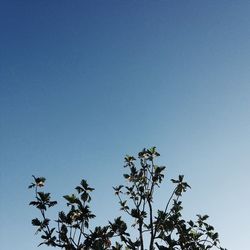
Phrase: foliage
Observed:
(164, 230)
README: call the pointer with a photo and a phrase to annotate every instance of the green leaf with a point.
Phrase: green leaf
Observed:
(70, 198)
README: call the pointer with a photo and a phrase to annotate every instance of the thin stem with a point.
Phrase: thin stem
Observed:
(81, 232)
(166, 208)
(141, 234)
(151, 225)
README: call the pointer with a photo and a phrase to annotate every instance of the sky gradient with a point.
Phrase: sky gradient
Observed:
(82, 83)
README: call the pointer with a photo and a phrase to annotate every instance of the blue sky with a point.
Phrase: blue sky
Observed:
(82, 83)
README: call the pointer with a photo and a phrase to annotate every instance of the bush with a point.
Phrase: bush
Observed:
(165, 230)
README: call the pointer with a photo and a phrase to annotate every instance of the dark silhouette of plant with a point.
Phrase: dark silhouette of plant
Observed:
(164, 230)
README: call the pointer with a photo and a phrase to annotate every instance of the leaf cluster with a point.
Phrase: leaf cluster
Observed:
(165, 229)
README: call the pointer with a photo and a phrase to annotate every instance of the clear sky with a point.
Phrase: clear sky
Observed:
(84, 82)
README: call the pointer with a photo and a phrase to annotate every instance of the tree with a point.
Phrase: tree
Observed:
(164, 230)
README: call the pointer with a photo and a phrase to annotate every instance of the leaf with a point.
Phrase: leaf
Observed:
(79, 189)
(84, 196)
(126, 176)
(70, 198)
(52, 203)
(31, 185)
(181, 177)
(44, 196)
(36, 222)
(34, 203)
(84, 184)
(62, 216)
